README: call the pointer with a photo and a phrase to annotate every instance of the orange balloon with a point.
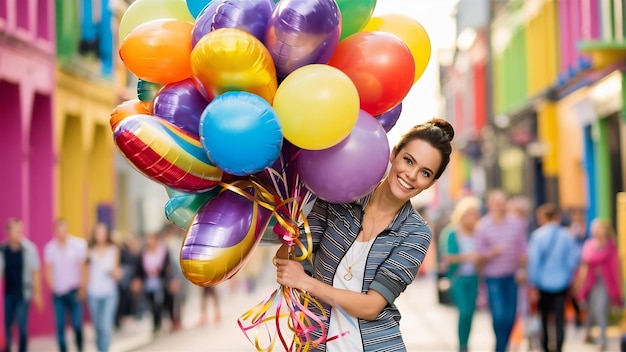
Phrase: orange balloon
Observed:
(411, 32)
(381, 67)
(129, 108)
(158, 51)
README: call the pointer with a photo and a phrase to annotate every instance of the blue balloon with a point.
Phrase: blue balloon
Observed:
(241, 133)
(196, 6)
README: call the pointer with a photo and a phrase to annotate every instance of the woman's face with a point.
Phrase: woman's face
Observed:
(598, 231)
(100, 235)
(413, 169)
(470, 218)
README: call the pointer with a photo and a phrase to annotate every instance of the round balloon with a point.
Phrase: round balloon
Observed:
(128, 108)
(351, 169)
(388, 119)
(158, 51)
(241, 133)
(181, 104)
(230, 59)
(302, 32)
(146, 91)
(381, 67)
(317, 106)
(354, 15)
(142, 11)
(221, 238)
(248, 15)
(197, 6)
(411, 32)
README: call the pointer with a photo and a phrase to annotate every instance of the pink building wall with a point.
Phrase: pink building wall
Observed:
(27, 156)
(579, 20)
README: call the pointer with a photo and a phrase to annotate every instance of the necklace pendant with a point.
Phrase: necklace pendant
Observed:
(348, 276)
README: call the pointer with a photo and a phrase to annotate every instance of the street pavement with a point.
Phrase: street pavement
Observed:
(426, 325)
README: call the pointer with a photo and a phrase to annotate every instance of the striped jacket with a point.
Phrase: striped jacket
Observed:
(391, 265)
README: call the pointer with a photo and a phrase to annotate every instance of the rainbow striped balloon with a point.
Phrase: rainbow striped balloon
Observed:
(166, 154)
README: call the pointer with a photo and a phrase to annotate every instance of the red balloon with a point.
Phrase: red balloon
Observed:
(381, 67)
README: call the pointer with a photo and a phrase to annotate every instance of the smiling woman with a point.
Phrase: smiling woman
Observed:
(365, 253)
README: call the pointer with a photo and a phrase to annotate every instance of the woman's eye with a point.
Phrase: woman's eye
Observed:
(425, 173)
(408, 161)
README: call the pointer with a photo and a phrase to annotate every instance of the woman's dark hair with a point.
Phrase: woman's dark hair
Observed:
(438, 133)
(109, 237)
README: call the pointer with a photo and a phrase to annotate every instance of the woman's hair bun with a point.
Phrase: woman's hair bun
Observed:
(445, 126)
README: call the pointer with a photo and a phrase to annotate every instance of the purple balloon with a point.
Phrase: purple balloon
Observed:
(181, 104)
(388, 119)
(221, 238)
(302, 32)
(250, 16)
(351, 169)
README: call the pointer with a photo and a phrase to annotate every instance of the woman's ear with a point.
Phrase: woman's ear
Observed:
(392, 155)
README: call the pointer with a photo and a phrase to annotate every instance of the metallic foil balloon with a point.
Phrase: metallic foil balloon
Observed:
(302, 32)
(128, 108)
(197, 6)
(351, 169)
(221, 238)
(166, 154)
(181, 104)
(230, 59)
(241, 133)
(146, 91)
(248, 15)
(388, 119)
(181, 209)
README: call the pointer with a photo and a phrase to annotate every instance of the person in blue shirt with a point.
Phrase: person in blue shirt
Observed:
(553, 257)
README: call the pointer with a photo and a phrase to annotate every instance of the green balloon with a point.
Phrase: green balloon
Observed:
(354, 15)
(181, 209)
(146, 91)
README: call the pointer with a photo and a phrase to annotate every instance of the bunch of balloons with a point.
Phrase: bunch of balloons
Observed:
(247, 110)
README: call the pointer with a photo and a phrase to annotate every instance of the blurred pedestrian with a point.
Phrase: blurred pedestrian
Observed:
(176, 287)
(598, 283)
(501, 242)
(461, 257)
(210, 294)
(65, 257)
(102, 293)
(578, 229)
(153, 273)
(553, 257)
(20, 269)
(129, 301)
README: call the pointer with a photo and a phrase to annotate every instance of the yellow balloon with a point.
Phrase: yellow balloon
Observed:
(229, 59)
(411, 32)
(142, 11)
(317, 106)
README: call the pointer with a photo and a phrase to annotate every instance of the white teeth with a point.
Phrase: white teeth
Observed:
(404, 184)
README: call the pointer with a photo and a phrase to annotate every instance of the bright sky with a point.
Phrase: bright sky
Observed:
(422, 103)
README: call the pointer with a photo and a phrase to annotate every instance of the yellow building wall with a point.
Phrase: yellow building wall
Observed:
(570, 170)
(84, 145)
(549, 136)
(541, 46)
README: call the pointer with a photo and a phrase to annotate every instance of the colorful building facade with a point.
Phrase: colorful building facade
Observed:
(27, 62)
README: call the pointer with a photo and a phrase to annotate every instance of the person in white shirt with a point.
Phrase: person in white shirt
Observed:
(102, 294)
(65, 262)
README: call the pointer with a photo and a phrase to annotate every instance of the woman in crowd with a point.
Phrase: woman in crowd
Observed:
(599, 278)
(461, 257)
(102, 294)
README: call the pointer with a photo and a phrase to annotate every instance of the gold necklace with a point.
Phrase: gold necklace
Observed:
(348, 276)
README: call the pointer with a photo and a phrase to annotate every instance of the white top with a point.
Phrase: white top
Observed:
(353, 263)
(66, 262)
(101, 266)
